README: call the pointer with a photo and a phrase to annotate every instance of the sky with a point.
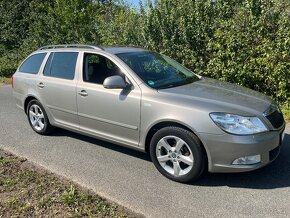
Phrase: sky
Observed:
(135, 3)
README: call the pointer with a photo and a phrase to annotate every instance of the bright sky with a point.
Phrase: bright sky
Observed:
(135, 3)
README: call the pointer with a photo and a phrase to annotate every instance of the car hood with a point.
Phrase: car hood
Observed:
(221, 93)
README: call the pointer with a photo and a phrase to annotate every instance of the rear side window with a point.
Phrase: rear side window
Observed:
(32, 64)
(61, 65)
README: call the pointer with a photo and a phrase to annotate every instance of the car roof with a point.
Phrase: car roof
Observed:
(123, 49)
(84, 47)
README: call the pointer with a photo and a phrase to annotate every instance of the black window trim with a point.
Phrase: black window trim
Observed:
(50, 54)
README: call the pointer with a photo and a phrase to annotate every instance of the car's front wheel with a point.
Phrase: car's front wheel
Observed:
(177, 154)
(37, 118)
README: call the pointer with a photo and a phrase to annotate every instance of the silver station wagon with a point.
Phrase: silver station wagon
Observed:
(147, 101)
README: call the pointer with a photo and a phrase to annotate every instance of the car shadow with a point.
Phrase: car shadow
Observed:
(275, 175)
(104, 144)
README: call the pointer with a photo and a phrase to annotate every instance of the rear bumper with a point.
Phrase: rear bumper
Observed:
(222, 150)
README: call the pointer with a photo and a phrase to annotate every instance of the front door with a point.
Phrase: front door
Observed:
(112, 114)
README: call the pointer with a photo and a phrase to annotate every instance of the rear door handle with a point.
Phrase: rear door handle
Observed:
(40, 85)
(83, 93)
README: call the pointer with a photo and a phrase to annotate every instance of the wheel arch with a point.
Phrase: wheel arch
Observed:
(165, 123)
(27, 100)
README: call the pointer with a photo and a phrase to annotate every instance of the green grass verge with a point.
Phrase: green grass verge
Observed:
(286, 113)
(28, 191)
(5, 80)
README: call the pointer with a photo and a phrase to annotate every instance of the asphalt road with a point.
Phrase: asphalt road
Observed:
(130, 179)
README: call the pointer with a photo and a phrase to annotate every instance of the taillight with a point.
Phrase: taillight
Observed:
(12, 81)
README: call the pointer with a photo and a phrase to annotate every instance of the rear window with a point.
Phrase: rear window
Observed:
(61, 65)
(32, 64)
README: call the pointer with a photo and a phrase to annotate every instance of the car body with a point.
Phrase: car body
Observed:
(132, 112)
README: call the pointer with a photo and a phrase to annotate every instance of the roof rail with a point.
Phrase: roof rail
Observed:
(71, 46)
(131, 46)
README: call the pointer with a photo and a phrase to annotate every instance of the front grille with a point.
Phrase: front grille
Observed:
(276, 119)
(274, 153)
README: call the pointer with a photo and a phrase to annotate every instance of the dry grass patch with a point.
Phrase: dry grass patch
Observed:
(5, 80)
(28, 191)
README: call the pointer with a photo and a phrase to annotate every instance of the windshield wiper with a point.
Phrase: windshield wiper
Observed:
(180, 83)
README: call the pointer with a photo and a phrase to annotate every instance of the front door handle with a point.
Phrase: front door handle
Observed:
(83, 93)
(40, 85)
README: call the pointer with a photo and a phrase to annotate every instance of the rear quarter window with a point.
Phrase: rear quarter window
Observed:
(32, 64)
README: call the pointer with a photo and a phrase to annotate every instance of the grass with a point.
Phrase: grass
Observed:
(28, 191)
(5, 80)
(286, 113)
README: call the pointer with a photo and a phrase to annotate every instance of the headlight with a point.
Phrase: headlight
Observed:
(239, 125)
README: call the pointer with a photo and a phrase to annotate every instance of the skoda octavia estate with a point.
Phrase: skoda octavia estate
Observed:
(147, 101)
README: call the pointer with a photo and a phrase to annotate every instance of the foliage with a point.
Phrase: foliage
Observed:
(16, 21)
(245, 42)
(252, 49)
(69, 197)
(286, 112)
(5, 80)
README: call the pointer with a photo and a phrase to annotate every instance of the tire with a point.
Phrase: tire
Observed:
(178, 154)
(37, 118)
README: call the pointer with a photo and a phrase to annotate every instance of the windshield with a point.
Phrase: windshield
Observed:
(158, 71)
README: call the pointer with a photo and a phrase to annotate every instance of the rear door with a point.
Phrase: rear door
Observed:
(57, 88)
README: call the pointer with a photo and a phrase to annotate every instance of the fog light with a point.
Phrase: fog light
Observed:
(247, 160)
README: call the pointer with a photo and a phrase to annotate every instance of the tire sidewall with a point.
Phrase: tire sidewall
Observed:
(196, 150)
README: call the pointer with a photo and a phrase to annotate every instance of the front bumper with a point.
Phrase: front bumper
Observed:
(222, 150)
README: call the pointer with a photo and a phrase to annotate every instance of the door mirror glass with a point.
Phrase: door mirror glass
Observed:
(114, 82)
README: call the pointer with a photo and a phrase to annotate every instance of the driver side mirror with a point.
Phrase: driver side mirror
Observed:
(115, 82)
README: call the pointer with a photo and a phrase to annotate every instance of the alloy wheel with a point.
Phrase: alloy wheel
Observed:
(36, 117)
(174, 155)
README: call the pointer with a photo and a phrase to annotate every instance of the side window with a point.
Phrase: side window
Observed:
(32, 64)
(61, 65)
(97, 68)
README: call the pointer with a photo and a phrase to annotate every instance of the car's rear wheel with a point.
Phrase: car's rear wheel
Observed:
(37, 118)
(177, 154)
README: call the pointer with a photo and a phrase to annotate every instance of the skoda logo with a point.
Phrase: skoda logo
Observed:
(173, 155)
